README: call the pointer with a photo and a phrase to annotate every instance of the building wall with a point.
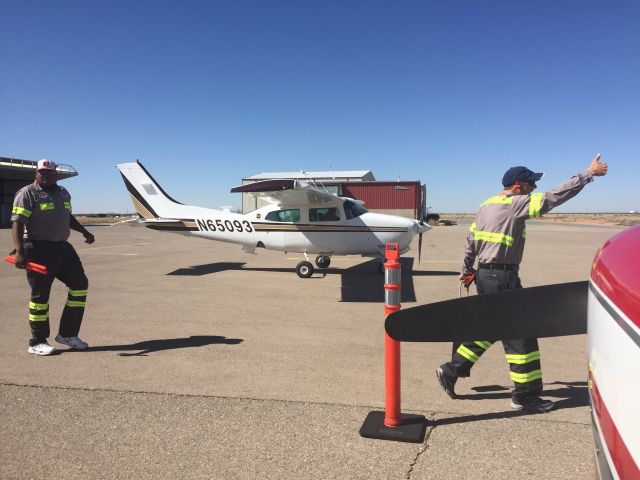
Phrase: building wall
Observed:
(408, 213)
(387, 197)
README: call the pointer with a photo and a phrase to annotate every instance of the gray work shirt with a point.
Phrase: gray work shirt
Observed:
(45, 214)
(498, 233)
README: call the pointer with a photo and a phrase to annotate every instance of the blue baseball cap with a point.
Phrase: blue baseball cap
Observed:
(520, 174)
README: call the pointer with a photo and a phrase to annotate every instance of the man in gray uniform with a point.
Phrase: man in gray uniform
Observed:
(496, 239)
(41, 222)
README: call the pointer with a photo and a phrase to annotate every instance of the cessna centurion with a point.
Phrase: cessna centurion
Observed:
(300, 218)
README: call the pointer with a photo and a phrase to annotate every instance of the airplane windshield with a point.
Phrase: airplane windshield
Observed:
(353, 209)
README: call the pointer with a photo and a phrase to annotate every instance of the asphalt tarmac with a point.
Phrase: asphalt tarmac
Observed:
(207, 362)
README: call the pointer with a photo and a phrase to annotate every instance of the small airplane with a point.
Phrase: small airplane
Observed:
(300, 218)
(606, 308)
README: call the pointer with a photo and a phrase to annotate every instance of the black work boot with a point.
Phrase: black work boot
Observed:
(447, 381)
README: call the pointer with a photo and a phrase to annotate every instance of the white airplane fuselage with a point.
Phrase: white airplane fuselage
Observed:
(364, 235)
(299, 218)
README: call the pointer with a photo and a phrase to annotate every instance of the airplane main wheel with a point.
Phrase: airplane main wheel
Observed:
(304, 269)
(323, 261)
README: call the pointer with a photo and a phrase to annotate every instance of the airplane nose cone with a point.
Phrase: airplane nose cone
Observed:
(420, 228)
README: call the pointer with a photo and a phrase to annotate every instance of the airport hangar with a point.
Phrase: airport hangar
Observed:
(406, 198)
(15, 174)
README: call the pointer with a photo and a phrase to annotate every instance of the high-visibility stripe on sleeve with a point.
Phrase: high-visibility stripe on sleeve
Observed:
(522, 359)
(472, 229)
(484, 345)
(526, 377)
(21, 211)
(535, 205)
(45, 206)
(75, 304)
(38, 318)
(67, 205)
(468, 354)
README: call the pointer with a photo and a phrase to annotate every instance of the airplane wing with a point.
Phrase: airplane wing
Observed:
(287, 192)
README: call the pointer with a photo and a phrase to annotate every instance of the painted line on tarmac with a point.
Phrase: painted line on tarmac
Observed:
(111, 253)
(115, 246)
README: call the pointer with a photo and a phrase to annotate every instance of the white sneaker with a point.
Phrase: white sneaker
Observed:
(42, 349)
(73, 342)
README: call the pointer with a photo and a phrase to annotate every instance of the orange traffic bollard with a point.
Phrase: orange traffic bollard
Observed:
(392, 296)
(392, 424)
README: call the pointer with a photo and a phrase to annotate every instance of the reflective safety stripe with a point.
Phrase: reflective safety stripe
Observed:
(38, 306)
(21, 211)
(524, 232)
(67, 205)
(535, 205)
(498, 200)
(468, 354)
(494, 237)
(484, 345)
(39, 318)
(73, 303)
(44, 206)
(522, 359)
(526, 377)
(472, 229)
(78, 293)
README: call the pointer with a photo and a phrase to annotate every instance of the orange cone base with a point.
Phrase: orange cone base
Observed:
(411, 430)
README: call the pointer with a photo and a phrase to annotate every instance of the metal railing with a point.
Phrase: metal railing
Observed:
(31, 165)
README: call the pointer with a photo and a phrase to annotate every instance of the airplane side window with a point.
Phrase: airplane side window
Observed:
(324, 214)
(353, 209)
(288, 215)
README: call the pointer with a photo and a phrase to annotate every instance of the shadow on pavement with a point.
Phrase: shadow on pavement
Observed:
(360, 283)
(571, 395)
(574, 394)
(151, 346)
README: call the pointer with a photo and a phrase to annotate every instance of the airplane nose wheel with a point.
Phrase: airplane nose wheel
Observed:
(323, 261)
(304, 269)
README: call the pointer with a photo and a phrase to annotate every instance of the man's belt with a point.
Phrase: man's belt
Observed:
(499, 266)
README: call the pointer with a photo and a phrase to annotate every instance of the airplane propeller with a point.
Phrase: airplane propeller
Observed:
(547, 311)
(419, 246)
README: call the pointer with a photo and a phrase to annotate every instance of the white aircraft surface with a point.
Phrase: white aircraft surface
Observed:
(299, 218)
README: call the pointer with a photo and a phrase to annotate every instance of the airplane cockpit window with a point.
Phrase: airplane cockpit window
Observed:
(288, 215)
(329, 214)
(353, 209)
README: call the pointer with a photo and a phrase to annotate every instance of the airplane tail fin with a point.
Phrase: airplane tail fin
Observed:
(148, 197)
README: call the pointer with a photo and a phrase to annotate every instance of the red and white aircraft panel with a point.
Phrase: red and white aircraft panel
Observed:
(614, 355)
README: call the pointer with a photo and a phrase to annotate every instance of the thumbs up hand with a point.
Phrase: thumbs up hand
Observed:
(598, 168)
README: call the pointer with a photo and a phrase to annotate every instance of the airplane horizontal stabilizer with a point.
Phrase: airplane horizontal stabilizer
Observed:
(547, 311)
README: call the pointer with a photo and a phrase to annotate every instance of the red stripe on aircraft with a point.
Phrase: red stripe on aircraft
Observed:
(622, 460)
(616, 271)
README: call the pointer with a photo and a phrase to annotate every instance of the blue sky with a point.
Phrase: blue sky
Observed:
(206, 93)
